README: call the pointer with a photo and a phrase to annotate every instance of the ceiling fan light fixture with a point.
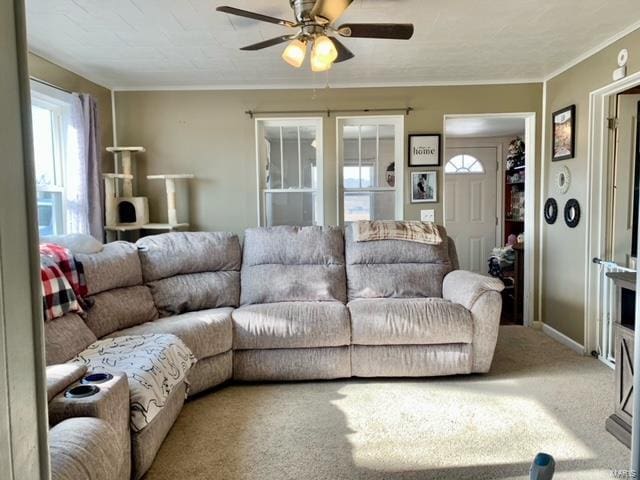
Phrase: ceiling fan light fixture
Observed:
(324, 49)
(295, 52)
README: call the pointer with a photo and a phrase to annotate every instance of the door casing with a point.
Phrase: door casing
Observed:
(530, 199)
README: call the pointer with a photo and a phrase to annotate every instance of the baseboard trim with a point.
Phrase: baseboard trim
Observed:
(563, 339)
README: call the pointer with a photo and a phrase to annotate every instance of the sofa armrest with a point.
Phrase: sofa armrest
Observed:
(481, 296)
(110, 404)
(61, 376)
(466, 288)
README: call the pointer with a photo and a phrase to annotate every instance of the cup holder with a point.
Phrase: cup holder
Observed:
(97, 378)
(81, 391)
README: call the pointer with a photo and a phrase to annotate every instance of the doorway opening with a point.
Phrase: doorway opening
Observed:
(614, 178)
(489, 201)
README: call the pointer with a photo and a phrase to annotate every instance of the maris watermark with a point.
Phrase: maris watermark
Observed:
(624, 474)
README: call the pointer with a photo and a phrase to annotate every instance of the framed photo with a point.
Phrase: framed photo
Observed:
(564, 134)
(424, 187)
(424, 150)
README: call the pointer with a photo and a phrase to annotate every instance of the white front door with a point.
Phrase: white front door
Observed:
(470, 203)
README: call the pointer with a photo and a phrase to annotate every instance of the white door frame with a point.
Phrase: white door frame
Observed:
(529, 199)
(398, 121)
(596, 203)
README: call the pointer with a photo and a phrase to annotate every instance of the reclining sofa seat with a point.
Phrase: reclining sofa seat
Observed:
(181, 284)
(293, 323)
(400, 323)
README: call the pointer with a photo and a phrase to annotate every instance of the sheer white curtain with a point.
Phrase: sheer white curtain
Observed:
(82, 175)
(75, 170)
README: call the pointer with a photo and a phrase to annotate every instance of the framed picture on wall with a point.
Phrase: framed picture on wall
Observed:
(564, 134)
(424, 187)
(424, 150)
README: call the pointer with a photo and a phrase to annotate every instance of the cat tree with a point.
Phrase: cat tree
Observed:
(125, 212)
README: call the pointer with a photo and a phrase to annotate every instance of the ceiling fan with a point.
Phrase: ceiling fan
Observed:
(314, 20)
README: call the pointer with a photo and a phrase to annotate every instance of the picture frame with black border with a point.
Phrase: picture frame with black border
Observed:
(424, 186)
(425, 150)
(563, 139)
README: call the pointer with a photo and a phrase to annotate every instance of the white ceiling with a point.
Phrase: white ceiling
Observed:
(484, 127)
(186, 43)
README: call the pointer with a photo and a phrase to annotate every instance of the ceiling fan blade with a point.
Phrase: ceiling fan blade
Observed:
(396, 31)
(255, 16)
(330, 9)
(269, 43)
(344, 53)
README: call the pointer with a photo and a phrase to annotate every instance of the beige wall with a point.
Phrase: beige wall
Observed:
(51, 73)
(207, 133)
(564, 250)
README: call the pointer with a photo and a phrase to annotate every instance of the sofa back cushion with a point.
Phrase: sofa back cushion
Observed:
(116, 266)
(65, 337)
(117, 298)
(288, 264)
(395, 268)
(188, 271)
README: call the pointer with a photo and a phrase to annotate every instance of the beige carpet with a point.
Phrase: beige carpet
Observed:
(538, 396)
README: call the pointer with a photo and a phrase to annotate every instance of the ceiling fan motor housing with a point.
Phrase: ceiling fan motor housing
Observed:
(302, 9)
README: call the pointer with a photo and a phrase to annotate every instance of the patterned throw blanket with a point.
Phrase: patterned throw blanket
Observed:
(155, 364)
(63, 283)
(411, 231)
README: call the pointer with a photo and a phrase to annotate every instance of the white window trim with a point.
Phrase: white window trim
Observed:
(398, 123)
(316, 122)
(58, 102)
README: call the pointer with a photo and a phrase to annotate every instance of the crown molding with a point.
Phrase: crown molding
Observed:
(338, 85)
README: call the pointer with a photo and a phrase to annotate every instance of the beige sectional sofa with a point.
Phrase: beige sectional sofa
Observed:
(291, 304)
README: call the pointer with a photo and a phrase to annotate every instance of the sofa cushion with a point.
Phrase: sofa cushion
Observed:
(196, 291)
(206, 333)
(291, 325)
(411, 321)
(120, 308)
(155, 364)
(65, 337)
(289, 264)
(116, 266)
(395, 268)
(176, 253)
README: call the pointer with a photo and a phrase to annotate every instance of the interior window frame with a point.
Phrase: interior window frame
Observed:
(262, 189)
(397, 121)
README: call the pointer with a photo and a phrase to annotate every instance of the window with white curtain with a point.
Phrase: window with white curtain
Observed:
(59, 167)
(370, 163)
(289, 155)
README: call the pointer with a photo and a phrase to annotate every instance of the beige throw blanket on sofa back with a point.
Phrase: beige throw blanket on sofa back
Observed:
(412, 231)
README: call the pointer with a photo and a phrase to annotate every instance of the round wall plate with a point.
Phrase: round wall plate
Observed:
(563, 179)
(551, 211)
(623, 57)
(572, 213)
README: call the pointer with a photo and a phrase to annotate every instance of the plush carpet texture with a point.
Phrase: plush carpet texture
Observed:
(539, 396)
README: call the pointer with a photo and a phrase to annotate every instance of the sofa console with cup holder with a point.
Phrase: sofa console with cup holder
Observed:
(293, 303)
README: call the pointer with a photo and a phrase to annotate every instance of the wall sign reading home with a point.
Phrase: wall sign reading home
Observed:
(424, 150)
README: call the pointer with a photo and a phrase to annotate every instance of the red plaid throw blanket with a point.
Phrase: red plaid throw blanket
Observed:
(63, 284)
